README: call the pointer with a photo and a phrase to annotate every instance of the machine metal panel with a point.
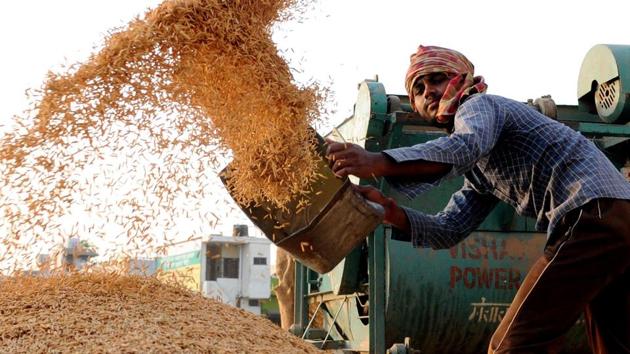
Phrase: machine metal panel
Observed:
(451, 301)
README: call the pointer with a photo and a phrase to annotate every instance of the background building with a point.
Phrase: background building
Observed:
(232, 269)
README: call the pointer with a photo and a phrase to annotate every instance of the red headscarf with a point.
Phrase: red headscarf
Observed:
(432, 59)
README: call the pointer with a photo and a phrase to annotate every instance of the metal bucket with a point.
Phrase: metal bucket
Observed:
(336, 220)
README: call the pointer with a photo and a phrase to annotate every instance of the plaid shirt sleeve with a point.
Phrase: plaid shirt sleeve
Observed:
(477, 127)
(464, 212)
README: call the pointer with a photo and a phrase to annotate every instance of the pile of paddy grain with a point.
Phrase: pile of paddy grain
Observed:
(164, 100)
(102, 312)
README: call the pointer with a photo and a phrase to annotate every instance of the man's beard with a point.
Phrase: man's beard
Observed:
(448, 125)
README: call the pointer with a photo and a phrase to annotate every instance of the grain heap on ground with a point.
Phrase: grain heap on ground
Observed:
(167, 95)
(107, 313)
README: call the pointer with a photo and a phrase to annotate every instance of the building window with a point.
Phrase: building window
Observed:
(253, 302)
(230, 268)
(260, 261)
(213, 262)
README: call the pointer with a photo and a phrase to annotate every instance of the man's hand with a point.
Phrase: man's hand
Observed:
(351, 159)
(394, 215)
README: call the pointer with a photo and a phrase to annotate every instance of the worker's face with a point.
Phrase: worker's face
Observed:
(427, 92)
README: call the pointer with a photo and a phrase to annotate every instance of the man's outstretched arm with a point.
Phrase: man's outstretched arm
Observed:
(350, 159)
(463, 214)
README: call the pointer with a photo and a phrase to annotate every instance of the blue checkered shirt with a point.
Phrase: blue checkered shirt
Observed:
(507, 151)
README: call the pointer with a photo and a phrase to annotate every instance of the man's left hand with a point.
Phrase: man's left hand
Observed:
(351, 159)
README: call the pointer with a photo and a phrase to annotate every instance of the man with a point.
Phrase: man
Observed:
(509, 152)
(285, 271)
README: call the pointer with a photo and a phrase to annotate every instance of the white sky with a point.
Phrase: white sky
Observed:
(524, 49)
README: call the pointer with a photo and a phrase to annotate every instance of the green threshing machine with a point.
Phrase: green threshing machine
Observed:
(387, 295)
